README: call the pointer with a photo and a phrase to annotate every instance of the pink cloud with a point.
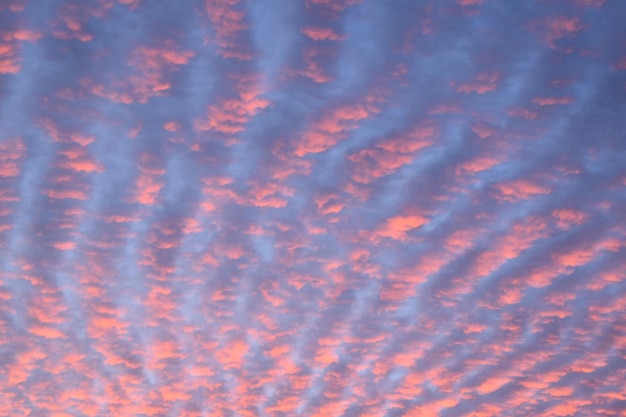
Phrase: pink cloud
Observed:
(519, 190)
(332, 128)
(231, 115)
(482, 83)
(389, 155)
(10, 49)
(12, 153)
(397, 227)
(481, 163)
(229, 22)
(148, 76)
(592, 3)
(523, 113)
(567, 218)
(469, 2)
(311, 210)
(551, 30)
(321, 34)
(550, 101)
(334, 5)
(521, 237)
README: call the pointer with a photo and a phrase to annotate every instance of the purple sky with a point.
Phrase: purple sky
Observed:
(328, 208)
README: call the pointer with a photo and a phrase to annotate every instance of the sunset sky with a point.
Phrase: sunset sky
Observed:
(317, 208)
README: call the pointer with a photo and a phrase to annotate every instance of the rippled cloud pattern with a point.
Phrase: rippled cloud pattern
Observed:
(328, 208)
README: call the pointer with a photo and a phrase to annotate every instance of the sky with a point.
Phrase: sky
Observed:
(328, 208)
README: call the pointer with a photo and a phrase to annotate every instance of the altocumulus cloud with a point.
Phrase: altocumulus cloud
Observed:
(314, 208)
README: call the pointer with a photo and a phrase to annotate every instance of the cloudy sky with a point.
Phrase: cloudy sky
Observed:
(328, 208)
